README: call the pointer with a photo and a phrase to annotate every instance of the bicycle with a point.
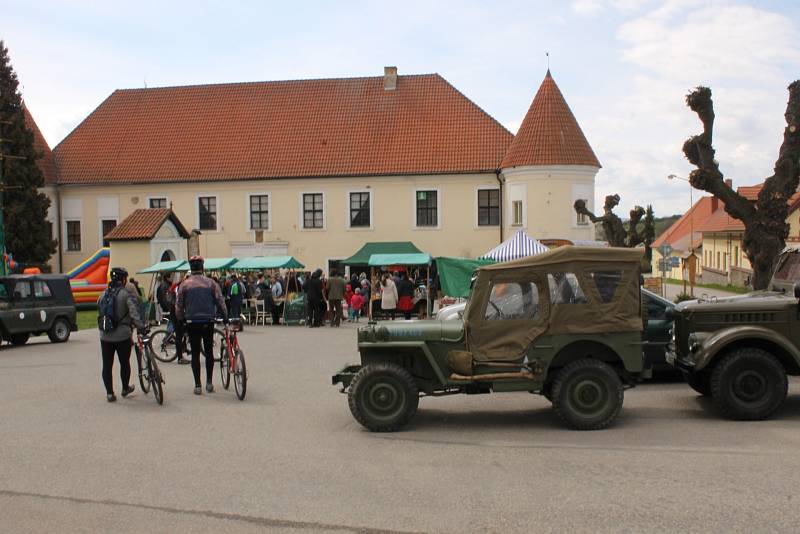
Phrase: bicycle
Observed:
(232, 360)
(149, 374)
(162, 344)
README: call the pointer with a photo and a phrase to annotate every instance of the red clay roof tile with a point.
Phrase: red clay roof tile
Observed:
(549, 134)
(45, 163)
(305, 128)
(144, 224)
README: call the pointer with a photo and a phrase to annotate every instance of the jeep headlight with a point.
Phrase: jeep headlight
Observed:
(696, 341)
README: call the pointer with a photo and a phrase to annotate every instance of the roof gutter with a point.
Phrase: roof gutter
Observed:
(501, 182)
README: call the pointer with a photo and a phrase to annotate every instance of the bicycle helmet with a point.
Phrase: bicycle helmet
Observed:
(118, 274)
(196, 264)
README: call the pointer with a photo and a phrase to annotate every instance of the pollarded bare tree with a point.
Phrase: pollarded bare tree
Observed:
(765, 227)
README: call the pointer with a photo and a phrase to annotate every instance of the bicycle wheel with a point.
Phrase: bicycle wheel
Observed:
(156, 380)
(240, 375)
(218, 342)
(142, 368)
(162, 345)
(225, 367)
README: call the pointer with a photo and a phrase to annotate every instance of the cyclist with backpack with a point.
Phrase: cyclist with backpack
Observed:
(199, 300)
(118, 312)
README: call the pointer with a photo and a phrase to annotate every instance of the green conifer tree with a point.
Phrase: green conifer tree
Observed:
(24, 207)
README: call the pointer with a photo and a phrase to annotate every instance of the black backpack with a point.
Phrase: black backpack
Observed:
(106, 314)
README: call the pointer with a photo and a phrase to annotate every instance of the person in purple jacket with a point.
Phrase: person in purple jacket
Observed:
(199, 302)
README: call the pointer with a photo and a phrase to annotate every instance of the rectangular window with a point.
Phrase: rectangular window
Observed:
(489, 207)
(259, 212)
(582, 220)
(427, 208)
(606, 283)
(513, 300)
(41, 290)
(22, 290)
(359, 210)
(208, 212)
(73, 235)
(158, 203)
(516, 216)
(718, 262)
(724, 261)
(106, 225)
(312, 210)
(565, 289)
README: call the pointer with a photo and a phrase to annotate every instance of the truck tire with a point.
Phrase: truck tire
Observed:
(19, 339)
(700, 382)
(59, 332)
(749, 384)
(383, 397)
(587, 395)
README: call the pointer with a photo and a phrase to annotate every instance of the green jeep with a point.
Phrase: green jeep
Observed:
(565, 324)
(36, 304)
(739, 350)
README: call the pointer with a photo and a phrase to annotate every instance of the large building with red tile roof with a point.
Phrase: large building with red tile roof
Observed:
(316, 168)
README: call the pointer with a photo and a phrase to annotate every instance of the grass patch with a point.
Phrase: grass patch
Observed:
(87, 319)
(720, 287)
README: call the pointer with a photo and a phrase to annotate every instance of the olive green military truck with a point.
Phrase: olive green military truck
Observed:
(565, 324)
(739, 350)
(36, 304)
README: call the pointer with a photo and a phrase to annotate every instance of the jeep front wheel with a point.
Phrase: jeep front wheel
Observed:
(749, 384)
(59, 332)
(587, 395)
(383, 397)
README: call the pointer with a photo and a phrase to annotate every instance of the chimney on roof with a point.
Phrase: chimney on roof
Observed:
(729, 182)
(389, 78)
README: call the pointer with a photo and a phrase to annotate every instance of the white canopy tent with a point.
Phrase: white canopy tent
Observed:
(519, 245)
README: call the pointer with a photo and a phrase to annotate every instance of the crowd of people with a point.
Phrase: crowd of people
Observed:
(194, 302)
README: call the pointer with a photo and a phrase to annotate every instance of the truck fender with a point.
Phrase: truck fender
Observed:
(718, 342)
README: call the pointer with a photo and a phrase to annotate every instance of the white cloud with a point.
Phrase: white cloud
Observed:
(747, 55)
(587, 8)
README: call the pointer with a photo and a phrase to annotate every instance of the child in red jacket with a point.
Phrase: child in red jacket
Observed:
(356, 303)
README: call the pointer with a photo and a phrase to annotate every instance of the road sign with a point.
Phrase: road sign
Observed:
(674, 261)
(665, 249)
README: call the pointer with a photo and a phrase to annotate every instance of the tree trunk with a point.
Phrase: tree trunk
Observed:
(764, 220)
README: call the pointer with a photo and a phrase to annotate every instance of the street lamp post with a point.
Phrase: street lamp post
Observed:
(691, 230)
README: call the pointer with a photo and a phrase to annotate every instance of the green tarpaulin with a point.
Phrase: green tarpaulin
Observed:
(257, 263)
(212, 264)
(165, 267)
(455, 274)
(377, 260)
(382, 247)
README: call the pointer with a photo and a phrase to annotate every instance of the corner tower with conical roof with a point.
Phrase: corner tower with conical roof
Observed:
(549, 166)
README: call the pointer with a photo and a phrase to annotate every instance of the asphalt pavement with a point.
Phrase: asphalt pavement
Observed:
(291, 457)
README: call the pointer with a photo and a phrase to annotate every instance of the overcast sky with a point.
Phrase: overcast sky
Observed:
(624, 66)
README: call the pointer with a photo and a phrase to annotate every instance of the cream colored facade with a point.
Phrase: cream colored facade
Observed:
(547, 194)
(392, 201)
(723, 251)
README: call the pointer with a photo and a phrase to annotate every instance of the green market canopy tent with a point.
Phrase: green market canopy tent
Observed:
(258, 263)
(455, 274)
(165, 267)
(418, 258)
(383, 247)
(212, 264)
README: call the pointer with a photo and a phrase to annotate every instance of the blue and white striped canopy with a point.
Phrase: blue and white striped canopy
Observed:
(520, 245)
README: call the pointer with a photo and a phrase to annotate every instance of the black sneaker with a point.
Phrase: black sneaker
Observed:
(198, 390)
(210, 388)
(183, 361)
(111, 397)
(128, 390)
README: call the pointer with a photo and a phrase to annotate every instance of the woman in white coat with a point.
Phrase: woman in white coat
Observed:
(388, 296)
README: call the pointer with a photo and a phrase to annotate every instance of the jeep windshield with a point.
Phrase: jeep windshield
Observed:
(787, 272)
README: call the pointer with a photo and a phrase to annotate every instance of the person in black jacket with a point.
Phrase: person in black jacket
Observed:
(316, 302)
